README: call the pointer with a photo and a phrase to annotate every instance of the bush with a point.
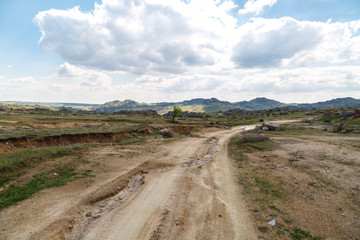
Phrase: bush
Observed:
(252, 137)
(168, 133)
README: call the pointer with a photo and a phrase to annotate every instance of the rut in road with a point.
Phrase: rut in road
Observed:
(185, 190)
(197, 198)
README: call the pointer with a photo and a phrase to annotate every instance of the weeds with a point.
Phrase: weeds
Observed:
(273, 207)
(15, 164)
(263, 189)
(267, 188)
(299, 234)
(40, 181)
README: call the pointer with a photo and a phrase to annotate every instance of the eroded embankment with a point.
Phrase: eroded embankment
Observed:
(120, 183)
(14, 144)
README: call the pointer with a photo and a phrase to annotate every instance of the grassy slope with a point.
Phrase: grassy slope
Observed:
(16, 164)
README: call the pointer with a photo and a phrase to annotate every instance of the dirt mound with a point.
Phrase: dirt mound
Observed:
(184, 129)
(121, 182)
(252, 137)
(13, 144)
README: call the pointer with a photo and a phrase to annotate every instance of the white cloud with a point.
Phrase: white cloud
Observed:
(140, 36)
(297, 81)
(355, 25)
(86, 77)
(23, 80)
(155, 36)
(9, 66)
(256, 6)
(287, 42)
(183, 49)
(274, 83)
(68, 70)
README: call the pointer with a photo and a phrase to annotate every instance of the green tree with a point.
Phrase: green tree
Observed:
(176, 113)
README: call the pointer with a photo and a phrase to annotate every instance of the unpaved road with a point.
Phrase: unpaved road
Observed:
(180, 190)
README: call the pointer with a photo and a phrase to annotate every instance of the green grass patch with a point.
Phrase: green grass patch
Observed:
(268, 188)
(336, 119)
(299, 234)
(15, 164)
(238, 148)
(40, 181)
(129, 141)
(273, 207)
(25, 129)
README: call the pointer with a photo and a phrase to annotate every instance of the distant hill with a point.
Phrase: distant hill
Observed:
(260, 104)
(195, 105)
(215, 105)
(334, 103)
(84, 106)
(198, 105)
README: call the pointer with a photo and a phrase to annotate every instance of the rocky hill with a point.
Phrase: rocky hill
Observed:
(199, 105)
(195, 105)
(334, 103)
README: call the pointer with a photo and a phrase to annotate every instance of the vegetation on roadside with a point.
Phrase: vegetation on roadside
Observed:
(17, 164)
(14, 164)
(55, 178)
(265, 191)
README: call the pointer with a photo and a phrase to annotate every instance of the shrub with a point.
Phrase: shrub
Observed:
(168, 133)
(252, 137)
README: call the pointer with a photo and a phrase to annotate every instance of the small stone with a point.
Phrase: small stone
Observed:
(255, 210)
(220, 215)
(102, 205)
(343, 215)
(96, 216)
(88, 214)
(55, 174)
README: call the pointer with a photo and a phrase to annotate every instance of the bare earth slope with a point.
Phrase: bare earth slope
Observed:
(182, 190)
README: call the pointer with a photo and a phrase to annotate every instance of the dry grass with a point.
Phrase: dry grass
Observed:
(308, 183)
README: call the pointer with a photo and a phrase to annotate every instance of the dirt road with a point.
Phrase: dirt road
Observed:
(180, 190)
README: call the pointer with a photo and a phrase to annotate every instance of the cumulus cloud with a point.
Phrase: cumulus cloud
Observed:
(159, 36)
(196, 47)
(139, 36)
(265, 43)
(86, 77)
(256, 6)
(280, 42)
(355, 25)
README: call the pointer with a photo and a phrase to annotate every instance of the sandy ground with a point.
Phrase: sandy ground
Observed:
(318, 177)
(181, 190)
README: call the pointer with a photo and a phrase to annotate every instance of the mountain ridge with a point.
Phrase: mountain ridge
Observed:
(216, 105)
(197, 105)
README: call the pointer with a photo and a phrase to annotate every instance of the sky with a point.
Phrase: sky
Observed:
(86, 51)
